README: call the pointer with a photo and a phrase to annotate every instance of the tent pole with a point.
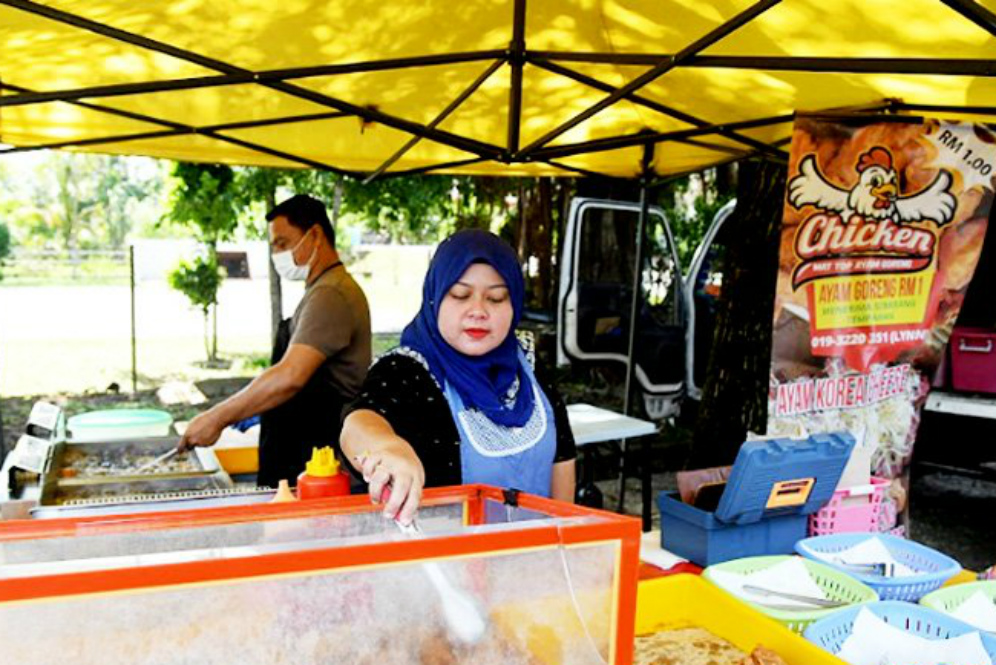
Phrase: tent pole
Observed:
(641, 223)
(630, 140)
(699, 45)
(134, 335)
(445, 113)
(975, 13)
(634, 303)
(3, 445)
(516, 58)
(649, 103)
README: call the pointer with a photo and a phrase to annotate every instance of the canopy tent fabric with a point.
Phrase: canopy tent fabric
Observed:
(488, 87)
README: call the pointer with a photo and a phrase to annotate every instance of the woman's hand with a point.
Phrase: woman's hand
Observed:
(395, 477)
(388, 463)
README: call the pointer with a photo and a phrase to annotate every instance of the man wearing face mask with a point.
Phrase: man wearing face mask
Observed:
(320, 355)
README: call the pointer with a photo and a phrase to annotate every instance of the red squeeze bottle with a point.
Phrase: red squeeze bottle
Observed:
(322, 477)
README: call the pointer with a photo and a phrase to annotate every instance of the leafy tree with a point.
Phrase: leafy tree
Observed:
(204, 200)
(200, 281)
(4, 245)
(73, 201)
(690, 203)
(124, 186)
(259, 186)
(426, 208)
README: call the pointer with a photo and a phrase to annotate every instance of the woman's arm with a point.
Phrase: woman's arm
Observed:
(563, 481)
(386, 461)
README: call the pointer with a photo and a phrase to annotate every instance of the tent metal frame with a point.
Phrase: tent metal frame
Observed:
(516, 56)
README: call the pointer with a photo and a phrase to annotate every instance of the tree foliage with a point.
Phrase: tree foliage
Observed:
(70, 201)
(4, 245)
(200, 281)
(204, 200)
(690, 204)
(4, 241)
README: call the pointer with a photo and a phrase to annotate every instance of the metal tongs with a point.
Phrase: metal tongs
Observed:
(799, 598)
(157, 461)
(880, 568)
(463, 616)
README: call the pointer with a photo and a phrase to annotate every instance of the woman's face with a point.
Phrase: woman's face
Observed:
(476, 313)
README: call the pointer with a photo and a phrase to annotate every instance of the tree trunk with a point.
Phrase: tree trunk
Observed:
(336, 202)
(213, 349)
(726, 179)
(214, 333)
(276, 293)
(207, 335)
(735, 395)
(542, 241)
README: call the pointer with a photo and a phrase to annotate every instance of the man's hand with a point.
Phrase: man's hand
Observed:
(203, 430)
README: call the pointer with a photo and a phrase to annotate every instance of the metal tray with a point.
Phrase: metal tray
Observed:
(121, 458)
(202, 473)
(145, 489)
(183, 500)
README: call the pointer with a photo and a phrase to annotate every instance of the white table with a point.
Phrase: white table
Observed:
(592, 425)
(959, 405)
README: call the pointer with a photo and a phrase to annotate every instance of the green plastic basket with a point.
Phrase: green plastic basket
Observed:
(835, 585)
(949, 598)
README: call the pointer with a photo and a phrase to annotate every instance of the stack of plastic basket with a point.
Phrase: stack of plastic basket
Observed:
(949, 599)
(931, 570)
(831, 632)
(850, 509)
(834, 584)
(932, 567)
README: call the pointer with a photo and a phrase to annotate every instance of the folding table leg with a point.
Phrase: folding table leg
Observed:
(588, 493)
(622, 476)
(646, 481)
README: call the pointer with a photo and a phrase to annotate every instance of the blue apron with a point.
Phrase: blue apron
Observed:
(507, 457)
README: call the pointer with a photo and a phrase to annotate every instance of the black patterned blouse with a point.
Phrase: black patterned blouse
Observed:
(400, 388)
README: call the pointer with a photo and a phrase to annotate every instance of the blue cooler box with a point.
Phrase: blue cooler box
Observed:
(773, 487)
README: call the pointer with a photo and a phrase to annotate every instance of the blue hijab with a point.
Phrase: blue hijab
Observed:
(481, 381)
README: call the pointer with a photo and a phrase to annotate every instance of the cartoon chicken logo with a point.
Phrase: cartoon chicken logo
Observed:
(876, 195)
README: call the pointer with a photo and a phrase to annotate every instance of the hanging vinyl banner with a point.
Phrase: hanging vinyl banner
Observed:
(882, 229)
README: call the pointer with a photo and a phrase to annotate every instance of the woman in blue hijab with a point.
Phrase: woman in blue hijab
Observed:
(458, 402)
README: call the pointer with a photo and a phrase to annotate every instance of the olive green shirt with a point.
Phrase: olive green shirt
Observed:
(333, 317)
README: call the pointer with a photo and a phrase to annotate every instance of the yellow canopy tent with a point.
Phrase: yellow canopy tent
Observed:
(497, 87)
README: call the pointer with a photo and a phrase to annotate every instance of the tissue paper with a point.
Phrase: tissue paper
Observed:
(790, 576)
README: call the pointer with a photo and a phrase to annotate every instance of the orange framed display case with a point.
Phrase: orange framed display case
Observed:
(325, 581)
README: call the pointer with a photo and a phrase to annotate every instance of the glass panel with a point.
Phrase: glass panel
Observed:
(548, 606)
(102, 551)
(107, 551)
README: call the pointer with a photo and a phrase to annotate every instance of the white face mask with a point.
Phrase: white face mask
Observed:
(283, 263)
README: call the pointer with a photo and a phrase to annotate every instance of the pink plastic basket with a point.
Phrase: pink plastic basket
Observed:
(852, 509)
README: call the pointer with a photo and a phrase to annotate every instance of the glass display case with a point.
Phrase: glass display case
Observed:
(489, 576)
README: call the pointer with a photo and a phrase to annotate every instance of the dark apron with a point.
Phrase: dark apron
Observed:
(309, 419)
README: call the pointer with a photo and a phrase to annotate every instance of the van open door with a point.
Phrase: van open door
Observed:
(596, 284)
(703, 285)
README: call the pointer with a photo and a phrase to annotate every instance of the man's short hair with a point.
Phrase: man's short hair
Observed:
(304, 211)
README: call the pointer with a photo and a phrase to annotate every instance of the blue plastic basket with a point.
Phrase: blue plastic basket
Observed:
(830, 632)
(934, 568)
